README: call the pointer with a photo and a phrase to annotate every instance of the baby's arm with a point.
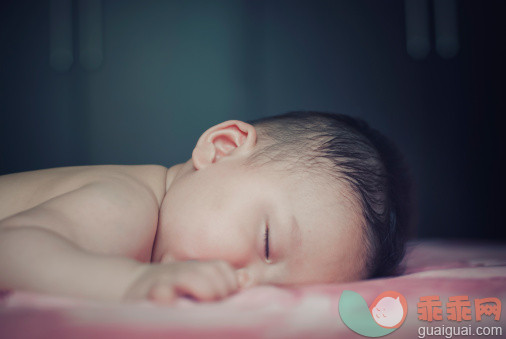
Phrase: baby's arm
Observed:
(49, 263)
(55, 248)
(204, 281)
(40, 260)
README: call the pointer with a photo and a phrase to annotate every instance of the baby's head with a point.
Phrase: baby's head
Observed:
(304, 197)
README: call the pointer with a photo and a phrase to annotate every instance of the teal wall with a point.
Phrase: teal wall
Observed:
(171, 69)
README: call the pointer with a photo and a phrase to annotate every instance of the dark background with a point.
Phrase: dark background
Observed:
(171, 69)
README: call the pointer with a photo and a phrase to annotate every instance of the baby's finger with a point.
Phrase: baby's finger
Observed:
(138, 291)
(162, 293)
(200, 287)
(213, 273)
(228, 274)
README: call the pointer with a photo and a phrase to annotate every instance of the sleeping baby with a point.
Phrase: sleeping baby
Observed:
(299, 198)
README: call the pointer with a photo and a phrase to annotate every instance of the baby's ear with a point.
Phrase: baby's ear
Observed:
(230, 138)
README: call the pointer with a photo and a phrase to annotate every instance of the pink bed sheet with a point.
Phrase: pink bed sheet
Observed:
(442, 268)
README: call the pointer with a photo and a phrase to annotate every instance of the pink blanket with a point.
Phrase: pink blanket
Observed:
(442, 269)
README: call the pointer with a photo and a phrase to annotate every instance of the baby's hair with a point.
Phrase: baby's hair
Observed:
(347, 149)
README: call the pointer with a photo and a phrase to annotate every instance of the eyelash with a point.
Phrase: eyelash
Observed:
(266, 238)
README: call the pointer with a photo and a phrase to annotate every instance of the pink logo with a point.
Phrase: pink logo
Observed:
(389, 309)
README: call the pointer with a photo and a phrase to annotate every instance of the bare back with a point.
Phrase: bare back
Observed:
(111, 209)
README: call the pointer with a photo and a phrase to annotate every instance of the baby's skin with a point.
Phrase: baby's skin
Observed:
(205, 228)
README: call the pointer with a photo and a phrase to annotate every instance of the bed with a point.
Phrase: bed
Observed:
(441, 269)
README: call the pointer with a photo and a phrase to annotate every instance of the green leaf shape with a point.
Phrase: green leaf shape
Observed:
(355, 314)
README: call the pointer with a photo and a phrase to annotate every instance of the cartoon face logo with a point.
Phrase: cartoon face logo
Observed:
(388, 311)
(385, 314)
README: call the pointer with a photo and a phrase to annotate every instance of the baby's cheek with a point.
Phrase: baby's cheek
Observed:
(223, 246)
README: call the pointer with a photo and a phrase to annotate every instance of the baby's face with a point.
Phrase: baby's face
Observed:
(223, 211)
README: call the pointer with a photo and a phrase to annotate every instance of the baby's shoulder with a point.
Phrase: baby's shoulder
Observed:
(22, 191)
(110, 209)
(149, 177)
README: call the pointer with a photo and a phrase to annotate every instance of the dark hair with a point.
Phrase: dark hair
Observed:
(349, 150)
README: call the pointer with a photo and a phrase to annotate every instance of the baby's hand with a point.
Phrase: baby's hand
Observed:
(201, 280)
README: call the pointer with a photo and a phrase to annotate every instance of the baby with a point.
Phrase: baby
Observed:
(300, 198)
